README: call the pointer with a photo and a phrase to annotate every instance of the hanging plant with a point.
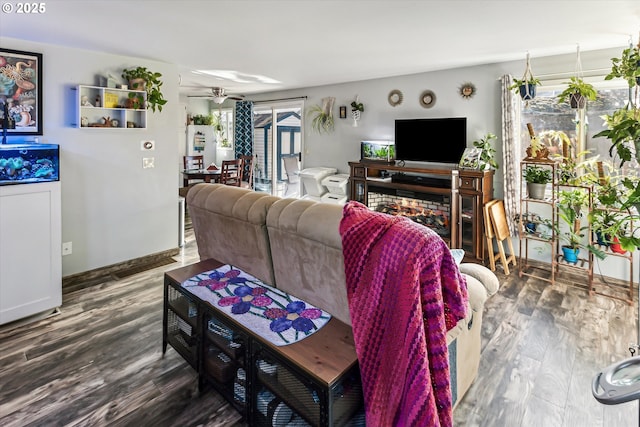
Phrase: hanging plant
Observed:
(526, 86)
(357, 108)
(323, 120)
(578, 91)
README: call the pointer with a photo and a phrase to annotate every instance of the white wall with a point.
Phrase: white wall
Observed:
(113, 210)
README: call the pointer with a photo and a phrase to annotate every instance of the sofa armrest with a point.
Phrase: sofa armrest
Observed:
(481, 283)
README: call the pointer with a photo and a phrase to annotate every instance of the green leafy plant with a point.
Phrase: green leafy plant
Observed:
(522, 82)
(323, 119)
(149, 82)
(201, 119)
(321, 122)
(357, 106)
(627, 66)
(487, 156)
(623, 127)
(578, 86)
(537, 175)
(570, 206)
(624, 124)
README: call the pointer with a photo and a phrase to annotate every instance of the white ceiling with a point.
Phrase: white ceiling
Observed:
(301, 43)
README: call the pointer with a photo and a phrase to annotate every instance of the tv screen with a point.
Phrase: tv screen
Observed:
(436, 140)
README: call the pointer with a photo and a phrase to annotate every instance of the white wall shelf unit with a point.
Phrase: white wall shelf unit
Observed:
(107, 108)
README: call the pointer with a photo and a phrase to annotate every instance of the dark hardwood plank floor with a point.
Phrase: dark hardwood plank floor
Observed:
(99, 361)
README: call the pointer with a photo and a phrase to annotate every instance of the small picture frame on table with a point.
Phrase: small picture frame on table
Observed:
(470, 158)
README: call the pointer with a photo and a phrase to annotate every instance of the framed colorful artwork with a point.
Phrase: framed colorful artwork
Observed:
(21, 91)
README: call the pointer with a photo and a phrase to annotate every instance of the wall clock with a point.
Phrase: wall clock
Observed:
(467, 90)
(427, 99)
(395, 98)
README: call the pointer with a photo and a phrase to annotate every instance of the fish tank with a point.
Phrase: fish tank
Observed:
(27, 163)
(378, 152)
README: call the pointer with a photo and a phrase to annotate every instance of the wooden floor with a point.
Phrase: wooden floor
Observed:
(99, 361)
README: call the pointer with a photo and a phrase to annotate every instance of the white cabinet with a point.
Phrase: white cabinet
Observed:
(104, 107)
(30, 249)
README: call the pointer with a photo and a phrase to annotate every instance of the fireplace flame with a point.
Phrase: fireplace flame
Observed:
(412, 209)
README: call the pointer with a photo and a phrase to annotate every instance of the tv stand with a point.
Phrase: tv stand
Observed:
(461, 192)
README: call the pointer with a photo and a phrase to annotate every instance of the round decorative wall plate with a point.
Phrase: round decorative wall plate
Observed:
(467, 90)
(395, 98)
(427, 99)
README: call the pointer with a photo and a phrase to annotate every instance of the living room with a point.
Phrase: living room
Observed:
(114, 211)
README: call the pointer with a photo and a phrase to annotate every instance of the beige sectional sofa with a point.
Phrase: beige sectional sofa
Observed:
(295, 245)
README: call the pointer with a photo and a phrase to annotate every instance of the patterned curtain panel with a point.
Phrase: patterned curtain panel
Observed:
(511, 152)
(243, 132)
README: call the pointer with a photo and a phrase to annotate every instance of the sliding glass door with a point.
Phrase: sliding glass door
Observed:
(278, 147)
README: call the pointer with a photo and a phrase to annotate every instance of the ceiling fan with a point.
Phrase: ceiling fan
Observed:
(219, 95)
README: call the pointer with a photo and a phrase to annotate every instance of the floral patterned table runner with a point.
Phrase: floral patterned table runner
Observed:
(276, 316)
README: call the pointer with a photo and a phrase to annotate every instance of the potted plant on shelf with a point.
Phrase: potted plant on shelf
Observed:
(577, 93)
(487, 155)
(537, 178)
(140, 78)
(201, 119)
(570, 205)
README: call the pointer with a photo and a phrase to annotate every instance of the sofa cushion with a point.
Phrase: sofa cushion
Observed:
(307, 256)
(230, 226)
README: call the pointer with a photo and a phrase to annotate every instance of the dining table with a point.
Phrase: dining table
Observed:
(205, 174)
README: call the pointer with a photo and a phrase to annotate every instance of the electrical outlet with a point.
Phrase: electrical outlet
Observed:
(67, 248)
(148, 162)
(147, 145)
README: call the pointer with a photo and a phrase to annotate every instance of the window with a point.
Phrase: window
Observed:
(546, 116)
(223, 123)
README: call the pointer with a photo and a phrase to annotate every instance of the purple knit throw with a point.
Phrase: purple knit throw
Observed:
(405, 292)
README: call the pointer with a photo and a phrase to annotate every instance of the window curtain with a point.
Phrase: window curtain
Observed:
(243, 128)
(511, 152)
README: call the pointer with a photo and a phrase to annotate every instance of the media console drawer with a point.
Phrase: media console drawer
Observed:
(469, 183)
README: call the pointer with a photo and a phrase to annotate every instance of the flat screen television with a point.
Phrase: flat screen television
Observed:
(433, 140)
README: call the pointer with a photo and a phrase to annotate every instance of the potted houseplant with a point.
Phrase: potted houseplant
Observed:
(537, 178)
(571, 170)
(357, 108)
(487, 155)
(140, 78)
(323, 119)
(570, 205)
(602, 221)
(525, 87)
(201, 119)
(577, 93)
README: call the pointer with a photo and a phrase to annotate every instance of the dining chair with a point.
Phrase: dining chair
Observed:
(231, 172)
(192, 162)
(246, 180)
(292, 168)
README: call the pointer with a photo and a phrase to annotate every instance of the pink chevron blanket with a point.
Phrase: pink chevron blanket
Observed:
(405, 292)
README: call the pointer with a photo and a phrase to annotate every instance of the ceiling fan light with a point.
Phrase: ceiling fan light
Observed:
(219, 99)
